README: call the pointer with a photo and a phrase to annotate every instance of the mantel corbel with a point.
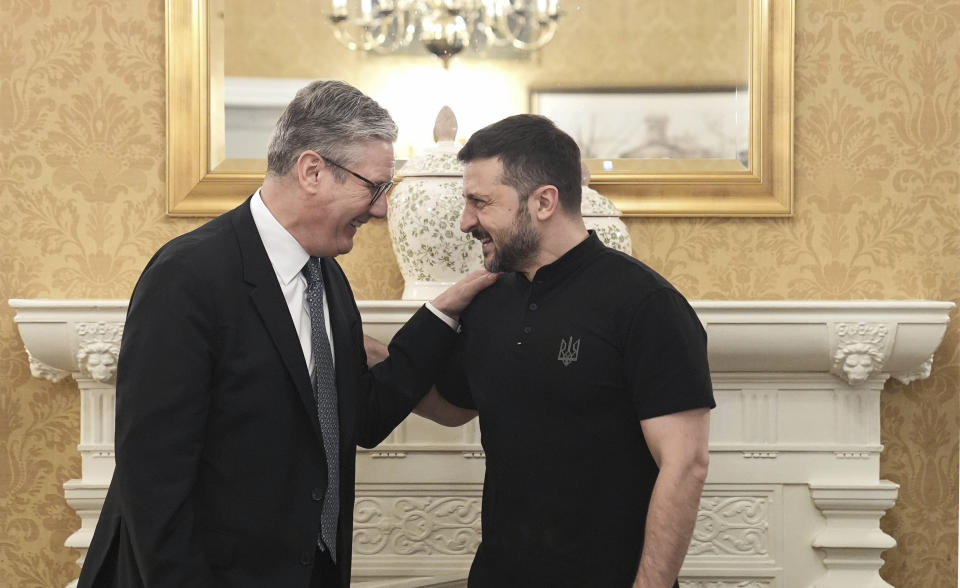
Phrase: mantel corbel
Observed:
(854, 340)
(862, 350)
(71, 337)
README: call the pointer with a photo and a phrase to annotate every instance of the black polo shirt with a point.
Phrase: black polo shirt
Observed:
(562, 370)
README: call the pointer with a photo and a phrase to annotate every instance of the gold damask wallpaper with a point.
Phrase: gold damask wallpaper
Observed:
(877, 216)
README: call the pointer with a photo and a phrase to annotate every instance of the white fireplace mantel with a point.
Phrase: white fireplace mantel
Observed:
(793, 498)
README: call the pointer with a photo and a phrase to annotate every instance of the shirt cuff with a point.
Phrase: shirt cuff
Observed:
(455, 325)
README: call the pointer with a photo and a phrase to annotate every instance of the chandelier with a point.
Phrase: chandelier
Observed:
(445, 27)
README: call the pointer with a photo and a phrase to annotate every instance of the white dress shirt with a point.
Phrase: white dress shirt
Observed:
(288, 257)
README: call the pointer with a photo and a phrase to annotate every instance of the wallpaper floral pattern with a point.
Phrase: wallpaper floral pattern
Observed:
(877, 216)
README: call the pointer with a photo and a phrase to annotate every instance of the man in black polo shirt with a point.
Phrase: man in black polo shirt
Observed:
(589, 372)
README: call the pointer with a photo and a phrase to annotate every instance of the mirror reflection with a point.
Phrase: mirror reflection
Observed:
(658, 79)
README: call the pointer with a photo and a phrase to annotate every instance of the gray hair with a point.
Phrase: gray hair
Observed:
(332, 118)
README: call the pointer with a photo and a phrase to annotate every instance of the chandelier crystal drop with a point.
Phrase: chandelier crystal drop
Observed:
(445, 27)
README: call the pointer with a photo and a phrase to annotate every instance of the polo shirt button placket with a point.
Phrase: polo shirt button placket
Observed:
(527, 329)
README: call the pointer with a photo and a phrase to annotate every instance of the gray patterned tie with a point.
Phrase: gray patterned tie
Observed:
(325, 393)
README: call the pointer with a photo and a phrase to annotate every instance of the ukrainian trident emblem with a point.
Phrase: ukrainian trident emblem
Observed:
(569, 350)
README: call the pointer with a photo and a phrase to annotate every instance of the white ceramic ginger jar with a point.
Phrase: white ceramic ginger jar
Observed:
(424, 218)
(602, 216)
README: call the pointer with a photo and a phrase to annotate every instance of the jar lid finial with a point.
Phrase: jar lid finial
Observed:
(445, 128)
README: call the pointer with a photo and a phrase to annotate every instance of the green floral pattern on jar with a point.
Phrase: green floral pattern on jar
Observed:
(424, 222)
(433, 164)
(612, 232)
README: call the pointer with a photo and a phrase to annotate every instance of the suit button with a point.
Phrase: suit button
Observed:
(316, 494)
(306, 559)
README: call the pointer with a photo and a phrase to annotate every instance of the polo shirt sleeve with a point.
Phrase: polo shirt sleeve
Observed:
(666, 356)
(453, 384)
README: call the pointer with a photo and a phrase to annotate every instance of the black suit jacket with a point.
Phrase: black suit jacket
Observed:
(220, 469)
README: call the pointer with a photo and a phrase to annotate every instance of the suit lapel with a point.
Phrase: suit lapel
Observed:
(343, 323)
(268, 299)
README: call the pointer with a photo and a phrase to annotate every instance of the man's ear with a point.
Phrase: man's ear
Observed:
(545, 201)
(308, 166)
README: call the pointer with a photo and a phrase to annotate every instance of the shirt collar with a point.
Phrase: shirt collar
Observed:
(570, 261)
(286, 254)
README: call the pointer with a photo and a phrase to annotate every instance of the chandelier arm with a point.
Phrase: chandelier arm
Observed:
(385, 36)
(544, 37)
(512, 24)
(341, 34)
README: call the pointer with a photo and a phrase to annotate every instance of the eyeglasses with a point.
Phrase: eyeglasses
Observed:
(378, 189)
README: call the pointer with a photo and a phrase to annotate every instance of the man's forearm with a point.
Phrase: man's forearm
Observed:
(670, 521)
(393, 387)
(435, 407)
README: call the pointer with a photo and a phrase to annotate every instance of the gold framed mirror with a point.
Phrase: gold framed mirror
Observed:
(203, 181)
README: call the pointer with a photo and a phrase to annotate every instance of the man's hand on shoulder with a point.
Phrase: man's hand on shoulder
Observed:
(457, 297)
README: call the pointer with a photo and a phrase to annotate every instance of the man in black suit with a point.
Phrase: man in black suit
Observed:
(243, 387)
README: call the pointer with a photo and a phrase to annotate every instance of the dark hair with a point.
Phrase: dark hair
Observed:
(332, 118)
(534, 153)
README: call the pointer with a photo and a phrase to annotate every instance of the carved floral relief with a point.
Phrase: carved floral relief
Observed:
(416, 525)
